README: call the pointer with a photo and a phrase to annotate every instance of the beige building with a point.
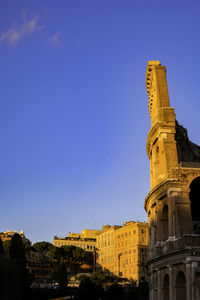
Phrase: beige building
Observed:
(173, 203)
(7, 236)
(105, 247)
(123, 250)
(131, 250)
(85, 240)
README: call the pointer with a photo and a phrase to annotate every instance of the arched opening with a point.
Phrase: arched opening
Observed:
(164, 224)
(195, 203)
(166, 287)
(180, 286)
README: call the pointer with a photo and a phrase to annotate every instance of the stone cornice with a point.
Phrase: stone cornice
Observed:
(156, 189)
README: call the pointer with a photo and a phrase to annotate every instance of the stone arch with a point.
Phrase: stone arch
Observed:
(180, 286)
(166, 287)
(165, 223)
(194, 196)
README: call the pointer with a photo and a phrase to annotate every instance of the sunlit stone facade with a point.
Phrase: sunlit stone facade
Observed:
(123, 250)
(105, 247)
(173, 203)
(85, 240)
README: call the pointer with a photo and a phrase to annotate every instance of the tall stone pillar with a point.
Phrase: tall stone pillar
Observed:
(151, 290)
(158, 222)
(170, 203)
(188, 281)
(159, 285)
(171, 282)
(192, 279)
(174, 216)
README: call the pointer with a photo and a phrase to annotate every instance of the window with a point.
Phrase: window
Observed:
(194, 203)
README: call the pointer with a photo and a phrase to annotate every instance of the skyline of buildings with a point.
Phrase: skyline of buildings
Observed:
(122, 250)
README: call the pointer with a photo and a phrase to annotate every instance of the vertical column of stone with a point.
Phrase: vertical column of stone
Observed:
(188, 281)
(151, 287)
(152, 234)
(155, 228)
(174, 216)
(170, 217)
(158, 208)
(171, 282)
(192, 279)
(159, 285)
(153, 237)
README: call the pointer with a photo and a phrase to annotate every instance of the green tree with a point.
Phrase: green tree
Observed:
(60, 274)
(10, 280)
(42, 246)
(17, 251)
(57, 253)
(6, 246)
(103, 276)
(17, 254)
(2, 252)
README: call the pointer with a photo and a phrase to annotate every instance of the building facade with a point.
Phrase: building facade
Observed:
(131, 250)
(105, 247)
(85, 240)
(7, 236)
(123, 250)
(172, 205)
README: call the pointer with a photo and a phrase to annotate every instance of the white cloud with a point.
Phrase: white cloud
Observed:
(55, 39)
(17, 32)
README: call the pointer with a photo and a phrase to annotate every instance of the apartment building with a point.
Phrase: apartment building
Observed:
(85, 240)
(123, 250)
(105, 247)
(131, 250)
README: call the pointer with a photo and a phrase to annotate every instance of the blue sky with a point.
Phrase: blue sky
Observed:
(73, 111)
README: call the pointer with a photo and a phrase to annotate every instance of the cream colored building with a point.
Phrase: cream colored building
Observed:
(105, 247)
(85, 240)
(123, 250)
(7, 236)
(131, 250)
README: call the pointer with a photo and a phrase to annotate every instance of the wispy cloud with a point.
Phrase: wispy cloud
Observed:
(19, 31)
(55, 39)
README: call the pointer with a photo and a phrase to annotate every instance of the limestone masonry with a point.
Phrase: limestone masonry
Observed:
(173, 203)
